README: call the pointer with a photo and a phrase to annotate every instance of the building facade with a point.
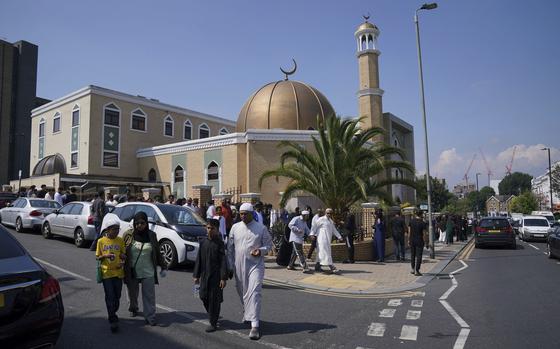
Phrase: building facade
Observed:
(498, 205)
(540, 186)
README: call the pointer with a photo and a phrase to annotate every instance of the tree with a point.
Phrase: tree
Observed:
(476, 200)
(440, 193)
(524, 203)
(556, 179)
(344, 167)
(515, 183)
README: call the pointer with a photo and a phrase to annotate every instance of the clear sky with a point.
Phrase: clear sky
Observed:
(491, 68)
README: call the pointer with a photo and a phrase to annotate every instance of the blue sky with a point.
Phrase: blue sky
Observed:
(491, 68)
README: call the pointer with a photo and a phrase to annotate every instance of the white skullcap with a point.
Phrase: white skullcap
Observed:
(328, 210)
(304, 212)
(246, 207)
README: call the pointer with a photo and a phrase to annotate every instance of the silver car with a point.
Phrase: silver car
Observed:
(27, 213)
(73, 220)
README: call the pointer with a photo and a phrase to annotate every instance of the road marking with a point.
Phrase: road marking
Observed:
(453, 313)
(387, 312)
(465, 330)
(465, 266)
(417, 303)
(62, 270)
(409, 333)
(394, 302)
(462, 339)
(533, 246)
(413, 314)
(376, 329)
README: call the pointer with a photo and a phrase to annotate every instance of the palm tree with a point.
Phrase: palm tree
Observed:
(344, 167)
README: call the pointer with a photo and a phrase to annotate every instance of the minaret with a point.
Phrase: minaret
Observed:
(369, 93)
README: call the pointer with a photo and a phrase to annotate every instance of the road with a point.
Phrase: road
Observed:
(499, 297)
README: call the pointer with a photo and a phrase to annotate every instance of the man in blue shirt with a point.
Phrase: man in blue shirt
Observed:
(298, 230)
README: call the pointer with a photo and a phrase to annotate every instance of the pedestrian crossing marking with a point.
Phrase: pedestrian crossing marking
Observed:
(417, 303)
(387, 312)
(409, 333)
(394, 302)
(413, 314)
(376, 329)
(336, 281)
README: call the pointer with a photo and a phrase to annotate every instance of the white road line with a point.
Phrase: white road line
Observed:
(465, 330)
(62, 270)
(363, 348)
(417, 303)
(413, 314)
(409, 333)
(451, 289)
(465, 266)
(453, 313)
(394, 302)
(376, 329)
(462, 339)
(533, 246)
(387, 312)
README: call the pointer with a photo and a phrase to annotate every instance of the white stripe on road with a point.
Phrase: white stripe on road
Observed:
(62, 270)
(451, 289)
(465, 266)
(413, 314)
(376, 329)
(387, 312)
(417, 303)
(409, 333)
(533, 246)
(453, 313)
(462, 339)
(394, 302)
(465, 330)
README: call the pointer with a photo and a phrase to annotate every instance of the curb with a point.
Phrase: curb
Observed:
(420, 282)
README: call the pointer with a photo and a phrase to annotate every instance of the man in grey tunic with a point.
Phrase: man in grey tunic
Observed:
(248, 243)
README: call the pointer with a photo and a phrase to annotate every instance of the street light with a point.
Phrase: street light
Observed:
(550, 179)
(430, 6)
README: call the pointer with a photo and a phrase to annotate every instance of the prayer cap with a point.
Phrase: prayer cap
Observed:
(246, 207)
(304, 212)
(328, 210)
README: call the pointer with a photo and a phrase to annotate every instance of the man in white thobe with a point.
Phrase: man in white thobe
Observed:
(324, 229)
(248, 242)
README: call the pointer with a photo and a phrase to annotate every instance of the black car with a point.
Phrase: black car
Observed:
(6, 198)
(553, 243)
(31, 310)
(494, 231)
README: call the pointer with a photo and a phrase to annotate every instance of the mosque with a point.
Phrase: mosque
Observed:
(96, 138)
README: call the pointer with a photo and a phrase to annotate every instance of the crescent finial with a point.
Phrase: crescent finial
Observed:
(366, 17)
(289, 72)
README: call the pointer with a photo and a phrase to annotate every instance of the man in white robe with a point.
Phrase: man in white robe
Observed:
(324, 229)
(248, 243)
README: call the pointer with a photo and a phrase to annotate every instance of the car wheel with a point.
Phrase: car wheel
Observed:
(169, 253)
(46, 231)
(79, 238)
(19, 225)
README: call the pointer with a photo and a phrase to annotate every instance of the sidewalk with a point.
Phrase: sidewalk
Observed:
(366, 278)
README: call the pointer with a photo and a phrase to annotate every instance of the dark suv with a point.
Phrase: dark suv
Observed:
(494, 231)
(6, 198)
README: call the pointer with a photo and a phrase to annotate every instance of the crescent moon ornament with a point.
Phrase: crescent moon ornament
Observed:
(366, 17)
(290, 72)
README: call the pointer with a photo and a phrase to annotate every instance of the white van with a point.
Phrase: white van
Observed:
(546, 214)
(533, 227)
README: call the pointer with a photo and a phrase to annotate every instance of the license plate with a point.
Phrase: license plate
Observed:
(539, 235)
(1, 300)
(494, 231)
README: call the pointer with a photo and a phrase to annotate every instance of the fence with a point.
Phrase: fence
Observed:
(235, 193)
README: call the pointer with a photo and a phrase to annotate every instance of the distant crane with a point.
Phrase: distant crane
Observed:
(467, 173)
(489, 171)
(508, 167)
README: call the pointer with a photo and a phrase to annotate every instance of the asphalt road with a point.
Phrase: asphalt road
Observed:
(504, 298)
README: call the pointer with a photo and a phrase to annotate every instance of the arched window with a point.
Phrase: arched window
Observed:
(223, 131)
(178, 174)
(41, 152)
(138, 120)
(56, 123)
(370, 42)
(187, 130)
(112, 115)
(111, 136)
(152, 175)
(76, 115)
(363, 43)
(213, 171)
(203, 131)
(168, 126)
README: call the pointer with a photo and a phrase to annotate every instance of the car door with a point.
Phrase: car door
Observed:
(63, 215)
(73, 218)
(16, 210)
(8, 212)
(555, 241)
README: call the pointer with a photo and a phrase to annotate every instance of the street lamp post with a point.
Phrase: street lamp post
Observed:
(550, 179)
(428, 180)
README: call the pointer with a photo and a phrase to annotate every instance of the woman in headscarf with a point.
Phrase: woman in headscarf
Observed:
(143, 257)
(379, 235)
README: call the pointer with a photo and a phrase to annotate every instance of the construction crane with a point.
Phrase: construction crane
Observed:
(467, 173)
(489, 171)
(508, 167)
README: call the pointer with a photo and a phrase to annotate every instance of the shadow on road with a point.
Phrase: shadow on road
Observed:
(276, 328)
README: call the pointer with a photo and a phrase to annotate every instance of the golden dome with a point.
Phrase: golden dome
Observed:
(284, 104)
(366, 25)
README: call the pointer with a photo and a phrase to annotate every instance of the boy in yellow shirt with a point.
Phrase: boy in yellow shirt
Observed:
(111, 252)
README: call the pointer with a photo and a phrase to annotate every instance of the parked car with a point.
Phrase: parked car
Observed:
(73, 220)
(7, 198)
(27, 213)
(515, 225)
(494, 231)
(533, 227)
(178, 229)
(553, 243)
(31, 309)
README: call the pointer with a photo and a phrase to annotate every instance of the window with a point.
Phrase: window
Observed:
(213, 171)
(75, 116)
(56, 123)
(178, 174)
(111, 136)
(66, 209)
(223, 131)
(110, 159)
(77, 209)
(74, 160)
(152, 175)
(42, 129)
(148, 210)
(187, 130)
(168, 126)
(112, 115)
(127, 213)
(138, 120)
(203, 131)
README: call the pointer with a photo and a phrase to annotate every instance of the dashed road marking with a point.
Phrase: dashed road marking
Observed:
(462, 339)
(413, 314)
(417, 303)
(387, 312)
(409, 333)
(376, 329)
(62, 270)
(533, 246)
(394, 302)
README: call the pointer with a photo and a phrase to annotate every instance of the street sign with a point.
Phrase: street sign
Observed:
(424, 207)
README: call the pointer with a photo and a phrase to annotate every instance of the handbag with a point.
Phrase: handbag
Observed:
(99, 274)
(136, 262)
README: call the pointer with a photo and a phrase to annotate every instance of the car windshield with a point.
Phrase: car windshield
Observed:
(180, 215)
(44, 204)
(536, 222)
(9, 248)
(494, 223)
